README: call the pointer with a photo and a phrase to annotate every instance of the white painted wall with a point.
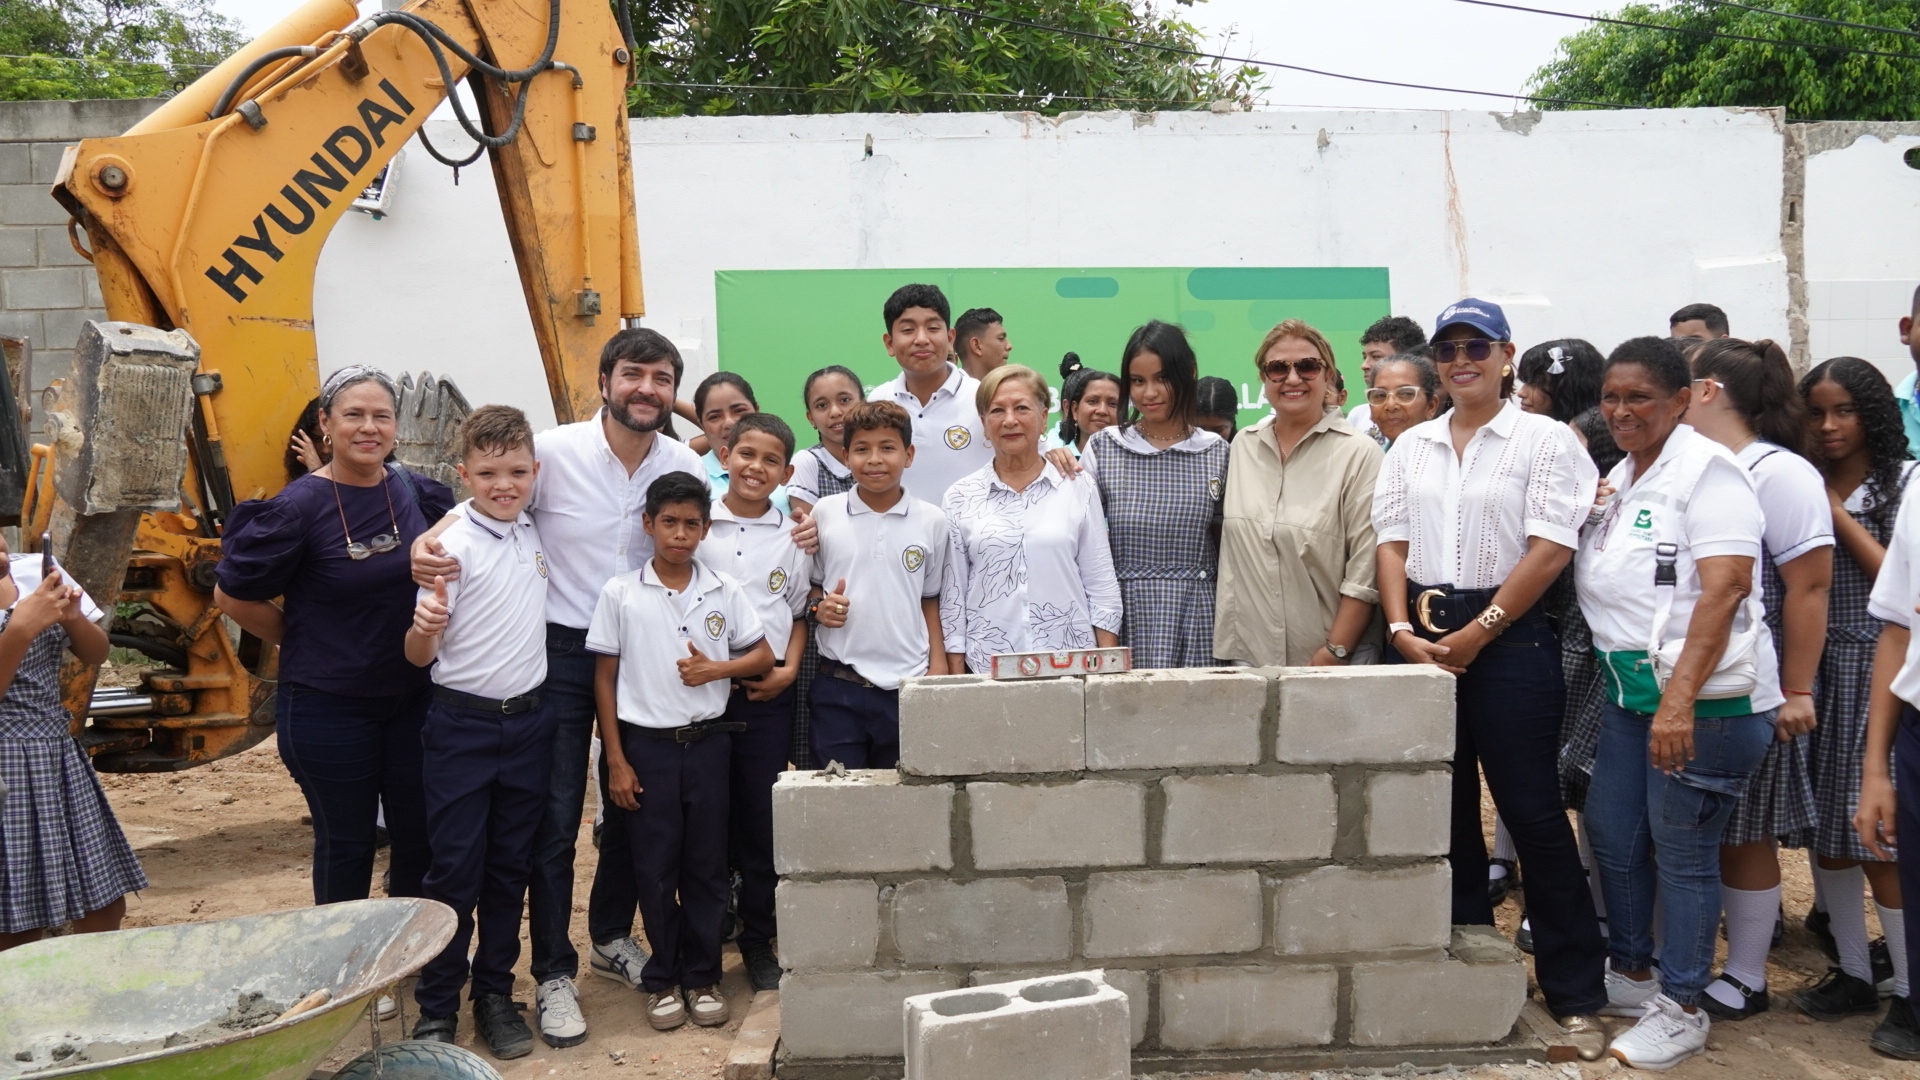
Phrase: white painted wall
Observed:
(1590, 224)
(1862, 250)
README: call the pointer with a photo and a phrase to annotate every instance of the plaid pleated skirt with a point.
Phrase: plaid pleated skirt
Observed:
(1168, 622)
(1839, 745)
(1778, 804)
(62, 854)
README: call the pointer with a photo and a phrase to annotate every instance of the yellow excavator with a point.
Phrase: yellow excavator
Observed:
(204, 224)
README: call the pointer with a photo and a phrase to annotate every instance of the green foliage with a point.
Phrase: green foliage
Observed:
(815, 56)
(108, 48)
(1638, 66)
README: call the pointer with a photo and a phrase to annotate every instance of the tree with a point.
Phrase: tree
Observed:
(108, 48)
(816, 56)
(1681, 64)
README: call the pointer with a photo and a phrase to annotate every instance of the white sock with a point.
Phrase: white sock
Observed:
(1593, 867)
(1819, 887)
(1502, 843)
(1750, 918)
(1848, 917)
(1893, 923)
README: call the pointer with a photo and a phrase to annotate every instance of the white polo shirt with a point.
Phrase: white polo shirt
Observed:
(1896, 591)
(891, 562)
(588, 510)
(948, 440)
(758, 554)
(495, 643)
(648, 626)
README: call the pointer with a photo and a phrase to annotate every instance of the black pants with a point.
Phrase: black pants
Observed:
(1906, 784)
(857, 726)
(486, 788)
(679, 843)
(1508, 708)
(759, 757)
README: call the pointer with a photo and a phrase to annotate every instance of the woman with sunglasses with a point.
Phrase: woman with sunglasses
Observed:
(334, 544)
(1477, 512)
(1405, 392)
(1296, 547)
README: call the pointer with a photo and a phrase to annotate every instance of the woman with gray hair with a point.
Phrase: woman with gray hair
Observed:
(333, 545)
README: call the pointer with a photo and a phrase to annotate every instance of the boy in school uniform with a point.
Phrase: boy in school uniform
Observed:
(885, 553)
(667, 635)
(488, 737)
(751, 541)
(936, 394)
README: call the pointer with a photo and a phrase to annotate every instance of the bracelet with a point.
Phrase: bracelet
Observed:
(1394, 628)
(1493, 619)
(1802, 693)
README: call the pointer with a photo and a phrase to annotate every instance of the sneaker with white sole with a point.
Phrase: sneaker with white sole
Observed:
(385, 1007)
(561, 1023)
(708, 1006)
(620, 960)
(1629, 997)
(1666, 1036)
(665, 1010)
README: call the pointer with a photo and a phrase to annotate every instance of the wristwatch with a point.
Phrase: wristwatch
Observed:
(1340, 652)
(1394, 628)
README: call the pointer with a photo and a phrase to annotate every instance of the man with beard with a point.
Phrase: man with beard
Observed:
(587, 503)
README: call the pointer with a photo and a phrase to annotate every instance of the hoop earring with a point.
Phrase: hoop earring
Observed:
(326, 440)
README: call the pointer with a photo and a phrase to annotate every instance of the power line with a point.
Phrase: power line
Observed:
(1816, 19)
(106, 63)
(1249, 61)
(1686, 30)
(947, 93)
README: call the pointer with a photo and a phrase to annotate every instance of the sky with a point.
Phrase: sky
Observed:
(1434, 42)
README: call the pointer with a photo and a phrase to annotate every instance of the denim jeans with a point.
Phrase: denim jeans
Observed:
(1649, 827)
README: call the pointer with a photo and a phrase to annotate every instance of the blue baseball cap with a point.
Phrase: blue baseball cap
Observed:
(1483, 315)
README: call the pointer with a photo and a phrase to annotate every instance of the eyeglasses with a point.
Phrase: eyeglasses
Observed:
(1278, 370)
(379, 545)
(1405, 395)
(1476, 350)
(1715, 382)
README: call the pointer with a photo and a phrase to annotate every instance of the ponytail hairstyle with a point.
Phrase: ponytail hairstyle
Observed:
(1886, 433)
(1077, 378)
(1758, 381)
(1217, 398)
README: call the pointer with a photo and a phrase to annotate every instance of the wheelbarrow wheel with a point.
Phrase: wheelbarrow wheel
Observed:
(419, 1059)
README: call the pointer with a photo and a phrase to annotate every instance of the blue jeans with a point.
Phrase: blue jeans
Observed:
(350, 755)
(1648, 827)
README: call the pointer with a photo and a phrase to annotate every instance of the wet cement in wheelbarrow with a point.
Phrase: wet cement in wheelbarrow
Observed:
(67, 1049)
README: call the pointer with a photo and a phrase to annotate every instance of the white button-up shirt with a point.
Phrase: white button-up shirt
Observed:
(948, 440)
(588, 511)
(648, 626)
(495, 643)
(1026, 570)
(891, 561)
(1896, 591)
(1467, 519)
(758, 554)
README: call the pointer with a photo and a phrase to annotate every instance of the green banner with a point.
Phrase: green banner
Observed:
(776, 326)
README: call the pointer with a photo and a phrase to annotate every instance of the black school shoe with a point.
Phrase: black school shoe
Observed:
(437, 1029)
(763, 968)
(1498, 888)
(1839, 996)
(1898, 1035)
(1753, 1002)
(1882, 961)
(501, 1026)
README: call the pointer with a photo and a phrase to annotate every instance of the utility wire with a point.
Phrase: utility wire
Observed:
(1685, 30)
(107, 63)
(946, 93)
(1816, 19)
(1183, 51)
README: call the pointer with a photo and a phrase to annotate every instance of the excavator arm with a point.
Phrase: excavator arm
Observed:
(209, 216)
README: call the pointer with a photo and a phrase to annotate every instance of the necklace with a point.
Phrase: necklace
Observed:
(379, 545)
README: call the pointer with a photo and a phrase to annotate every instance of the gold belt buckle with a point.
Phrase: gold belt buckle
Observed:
(1421, 611)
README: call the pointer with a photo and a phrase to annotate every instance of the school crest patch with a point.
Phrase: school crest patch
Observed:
(540, 562)
(1213, 487)
(716, 625)
(913, 557)
(776, 580)
(958, 437)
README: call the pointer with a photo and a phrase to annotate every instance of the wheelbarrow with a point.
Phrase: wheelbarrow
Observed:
(264, 997)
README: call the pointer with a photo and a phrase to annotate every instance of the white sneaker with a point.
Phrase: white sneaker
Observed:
(1629, 997)
(1666, 1036)
(561, 1023)
(619, 960)
(385, 1008)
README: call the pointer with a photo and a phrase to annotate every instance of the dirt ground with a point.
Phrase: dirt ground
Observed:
(226, 839)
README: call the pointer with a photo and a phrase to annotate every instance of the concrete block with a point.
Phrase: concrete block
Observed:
(55, 288)
(1172, 913)
(63, 326)
(867, 822)
(1339, 909)
(1231, 1008)
(16, 163)
(827, 924)
(46, 161)
(1174, 718)
(966, 725)
(1346, 716)
(1445, 1003)
(1248, 818)
(1088, 823)
(1062, 1027)
(1482, 945)
(1126, 980)
(991, 921)
(93, 298)
(69, 121)
(17, 246)
(56, 249)
(29, 204)
(1409, 813)
(26, 324)
(852, 1014)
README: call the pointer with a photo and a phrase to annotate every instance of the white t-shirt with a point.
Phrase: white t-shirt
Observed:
(495, 643)
(808, 464)
(588, 510)
(1361, 419)
(758, 554)
(1718, 514)
(948, 440)
(891, 562)
(648, 626)
(1799, 517)
(1896, 592)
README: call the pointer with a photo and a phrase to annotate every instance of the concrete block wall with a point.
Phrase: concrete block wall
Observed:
(1253, 856)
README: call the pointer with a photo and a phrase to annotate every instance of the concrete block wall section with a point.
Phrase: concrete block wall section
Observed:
(1062, 1027)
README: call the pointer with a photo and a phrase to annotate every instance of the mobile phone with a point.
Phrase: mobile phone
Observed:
(46, 554)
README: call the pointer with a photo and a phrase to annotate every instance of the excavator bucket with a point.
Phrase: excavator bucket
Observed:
(431, 412)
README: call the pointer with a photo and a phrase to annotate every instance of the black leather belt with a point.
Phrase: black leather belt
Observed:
(504, 706)
(844, 673)
(1439, 610)
(688, 733)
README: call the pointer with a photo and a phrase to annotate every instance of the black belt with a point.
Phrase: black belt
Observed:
(689, 733)
(560, 633)
(504, 706)
(845, 674)
(1439, 610)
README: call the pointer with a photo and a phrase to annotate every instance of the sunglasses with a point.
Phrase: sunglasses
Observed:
(1405, 395)
(1278, 370)
(1476, 350)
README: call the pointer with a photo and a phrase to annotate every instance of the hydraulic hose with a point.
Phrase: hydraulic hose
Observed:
(265, 59)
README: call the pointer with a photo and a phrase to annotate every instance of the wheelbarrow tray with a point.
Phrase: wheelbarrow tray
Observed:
(122, 996)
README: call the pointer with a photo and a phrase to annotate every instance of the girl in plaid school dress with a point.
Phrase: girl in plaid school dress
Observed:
(63, 857)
